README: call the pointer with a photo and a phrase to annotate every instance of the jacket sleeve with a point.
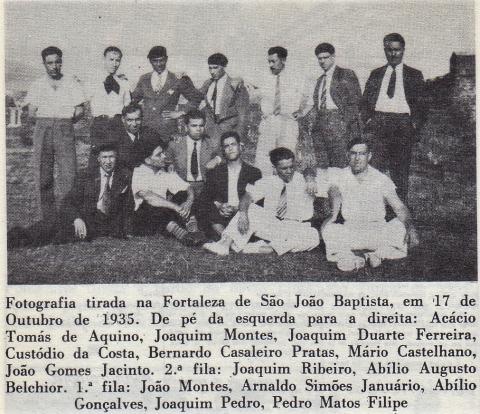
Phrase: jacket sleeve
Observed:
(137, 94)
(189, 92)
(365, 109)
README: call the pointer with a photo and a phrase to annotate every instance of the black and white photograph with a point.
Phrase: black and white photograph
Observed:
(227, 141)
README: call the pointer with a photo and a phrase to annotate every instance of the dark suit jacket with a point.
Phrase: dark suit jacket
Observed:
(131, 154)
(346, 94)
(165, 100)
(414, 86)
(233, 107)
(177, 153)
(216, 186)
(82, 201)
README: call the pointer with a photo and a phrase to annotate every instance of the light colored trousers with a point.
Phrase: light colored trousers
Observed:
(386, 239)
(53, 143)
(274, 132)
(284, 235)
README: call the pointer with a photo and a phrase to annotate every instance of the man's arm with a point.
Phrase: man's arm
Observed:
(244, 204)
(155, 200)
(186, 206)
(78, 113)
(402, 213)
(335, 198)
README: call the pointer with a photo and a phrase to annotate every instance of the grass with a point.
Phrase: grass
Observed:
(442, 199)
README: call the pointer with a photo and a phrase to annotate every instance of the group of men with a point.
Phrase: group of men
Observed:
(145, 178)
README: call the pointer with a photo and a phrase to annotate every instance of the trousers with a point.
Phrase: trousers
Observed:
(53, 143)
(284, 235)
(386, 239)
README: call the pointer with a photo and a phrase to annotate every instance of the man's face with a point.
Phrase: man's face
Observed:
(216, 71)
(358, 158)
(231, 149)
(285, 169)
(196, 128)
(107, 160)
(393, 52)
(112, 62)
(132, 122)
(53, 66)
(159, 64)
(157, 159)
(275, 63)
(325, 60)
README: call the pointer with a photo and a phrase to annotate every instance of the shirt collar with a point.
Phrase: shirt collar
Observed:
(192, 141)
(330, 70)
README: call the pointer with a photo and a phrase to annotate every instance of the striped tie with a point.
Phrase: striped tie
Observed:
(282, 203)
(323, 96)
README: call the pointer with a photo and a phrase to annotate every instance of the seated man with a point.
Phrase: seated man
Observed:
(154, 213)
(284, 221)
(193, 153)
(97, 205)
(361, 192)
(225, 184)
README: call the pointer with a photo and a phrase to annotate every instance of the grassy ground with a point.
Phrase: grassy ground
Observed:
(442, 198)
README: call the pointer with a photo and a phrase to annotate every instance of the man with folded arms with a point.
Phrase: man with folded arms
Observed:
(154, 212)
(225, 185)
(283, 223)
(361, 192)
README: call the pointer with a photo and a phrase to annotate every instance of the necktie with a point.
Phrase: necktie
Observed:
(391, 84)
(282, 203)
(106, 201)
(214, 100)
(323, 95)
(194, 162)
(277, 101)
(111, 84)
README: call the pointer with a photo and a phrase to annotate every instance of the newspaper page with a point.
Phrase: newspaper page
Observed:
(227, 206)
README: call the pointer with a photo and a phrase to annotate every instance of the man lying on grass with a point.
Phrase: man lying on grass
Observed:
(154, 211)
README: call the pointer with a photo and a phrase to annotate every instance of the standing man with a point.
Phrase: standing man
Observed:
(159, 92)
(226, 101)
(55, 102)
(284, 219)
(336, 100)
(193, 153)
(285, 98)
(394, 110)
(109, 93)
(226, 183)
(361, 193)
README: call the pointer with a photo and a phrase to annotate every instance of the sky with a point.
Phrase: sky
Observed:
(242, 30)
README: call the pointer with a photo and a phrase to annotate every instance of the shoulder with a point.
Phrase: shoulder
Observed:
(377, 71)
(251, 169)
(412, 71)
(145, 77)
(124, 173)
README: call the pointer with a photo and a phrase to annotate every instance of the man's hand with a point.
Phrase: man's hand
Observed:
(172, 114)
(80, 228)
(411, 238)
(243, 222)
(184, 210)
(226, 210)
(210, 165)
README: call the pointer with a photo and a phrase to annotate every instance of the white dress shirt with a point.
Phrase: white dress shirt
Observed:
(103, 180)
(329, 102)
(146, 179)
(299, 202)
(103, 103)
(190, 146)
(55, 98)
(233, 174)
(220, 87)
(397, 104)
(158, 81)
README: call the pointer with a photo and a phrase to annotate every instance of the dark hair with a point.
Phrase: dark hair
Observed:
(108, 146)
(358, 141)
(229, 134)
(217, 59)
(279, 154)
(281, 52)
(193, 114)
(157, 52)
(131, 108)
(394, 37)
(324, 48)
(113, 49)
(51, 50)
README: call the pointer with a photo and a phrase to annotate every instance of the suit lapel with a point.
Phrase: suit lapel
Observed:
(169, 82)
(226, 97)
(184, 157)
